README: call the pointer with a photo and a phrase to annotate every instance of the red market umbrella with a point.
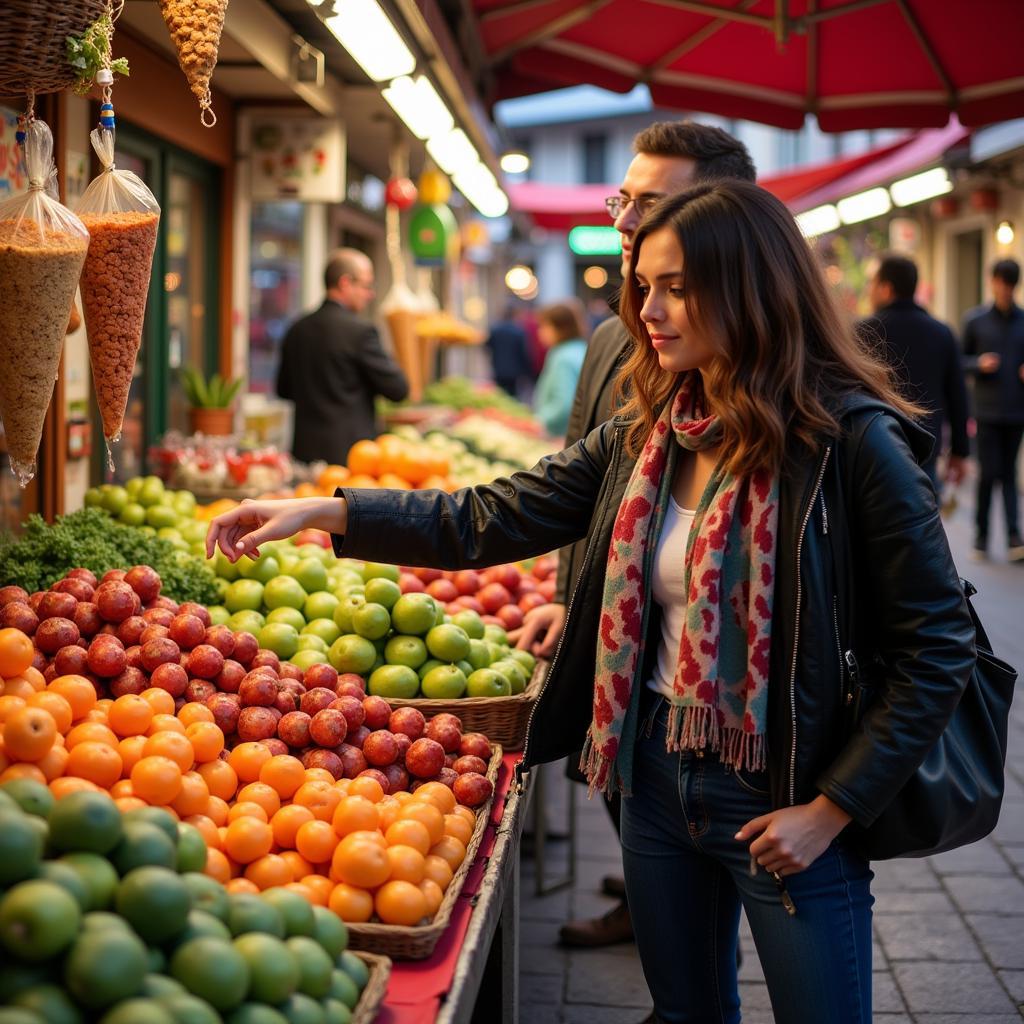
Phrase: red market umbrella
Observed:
(853, 63)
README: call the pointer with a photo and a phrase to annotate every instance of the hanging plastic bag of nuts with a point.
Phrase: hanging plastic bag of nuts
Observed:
(42, 249)
(122, 216)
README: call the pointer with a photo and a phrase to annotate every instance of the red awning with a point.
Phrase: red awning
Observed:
(853, 63)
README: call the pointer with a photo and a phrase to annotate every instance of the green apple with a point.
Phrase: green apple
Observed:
(244, 595)
(326, 629)
(405, 650)
(479, 656)
(513, 672)
(325, 556)
(526, 659)
(280, 638)
(312, 642)
(185, 503)
(265, 568)
(495, 634)
(320, 605)
(348, 578)
(465, 668)
(346, 608)
(371, 621)
(222, 589)
(134, 485)
(497, 651)
(151, 492)
(414, 614)
(94, 497)
(307, 659)
(219, 615)
(383, 591)
(225, 569)
(443, 683)
(393, 681)
(485, 682)
(115, 499)
(311, 574)
(194, 530)
(133, 514)
(448, 642)
(470, 622)
(352, 653)
(247, 621)
(284, 592)
(160, 515)
(428, 666)
(374, 570)
(292, 616)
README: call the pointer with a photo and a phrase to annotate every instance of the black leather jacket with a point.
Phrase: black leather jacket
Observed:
(860, 518)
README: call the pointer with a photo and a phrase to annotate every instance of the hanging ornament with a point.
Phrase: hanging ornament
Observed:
(432, 231)
(400, 193)
(434, 187)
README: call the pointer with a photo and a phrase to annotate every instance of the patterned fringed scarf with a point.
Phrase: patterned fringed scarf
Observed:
(721, 682)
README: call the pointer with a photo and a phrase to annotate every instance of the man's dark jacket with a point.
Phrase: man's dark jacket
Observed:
(856, 517)
(998, 396)
(926, 358)
(332, 368)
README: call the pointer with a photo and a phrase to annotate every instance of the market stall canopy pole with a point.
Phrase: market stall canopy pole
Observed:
(853, 63)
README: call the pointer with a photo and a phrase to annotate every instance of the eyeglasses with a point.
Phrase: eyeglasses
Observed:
(642, 204)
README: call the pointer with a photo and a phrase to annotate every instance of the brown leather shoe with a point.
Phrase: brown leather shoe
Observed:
(613, 927)
(614, 886)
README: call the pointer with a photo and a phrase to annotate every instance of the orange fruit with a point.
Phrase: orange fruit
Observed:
(247, 839)
(207, 740)
(363, 458)
(403, 796)
(428, 814)
(217, 810)
(160, 700)
(322, 775)
(16, 652)
(315, 841)
(18, 686)
(165, 723)
(220, 777)
(262, 794)
(206, 828)
(130, 749)
(300, 890)
(194, 796)
(284, 774)
(457, 826)
(156, 779)
(367, 787)
(361, 480)
(387, 811)
(320, 886)
(217, 866)
(23, 770)
(331, 477)
(247, 759)
(438, 794)
(451, 850)
(35, 677)
(432, 894)
(9, 704)
(394, 482)
(130, 715)
(354, 814)
(247, 809)
(360, 863)
(269, 871)
(466, 812)
(97, 714)
(286, 822)
(96, 762)
(438, 870)
(129, 803)
(194, 712)
(61, 787)
(320, 797)
(123, 787)
(91, 732)
(299, 865)
(53, 762)
(400, 903)
(242, 885)
(55, 704)
(406, 864)
(351, 903)
(170, 744)
(409, 832)
(29, 732)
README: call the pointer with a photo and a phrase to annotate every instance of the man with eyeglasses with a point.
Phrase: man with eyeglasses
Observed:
(333, 365)
(670, 157)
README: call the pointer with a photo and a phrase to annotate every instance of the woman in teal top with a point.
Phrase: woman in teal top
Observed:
(560, 330)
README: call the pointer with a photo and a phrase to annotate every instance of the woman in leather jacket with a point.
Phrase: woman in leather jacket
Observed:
(768, 632)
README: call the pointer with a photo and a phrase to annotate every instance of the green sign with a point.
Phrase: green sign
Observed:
(594, 240)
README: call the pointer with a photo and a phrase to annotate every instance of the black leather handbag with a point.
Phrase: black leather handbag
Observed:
(954, 796)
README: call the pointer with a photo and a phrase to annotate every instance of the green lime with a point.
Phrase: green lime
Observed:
(446, 682)
(133, 514)
(50, 1002)
(383, 591)
(311, 575)
(187, 1009)
(280, 638)
(251, 913)
(68, 879)
(105, 965)
(380, 570)
(330, 931)
(143, 844)
(285, 592)
(479, 655)
(138, 1011)
(96, 872)
(525, 659)
(312, 642)
(294, 909)
(85, 821)
(207, 894)
(219, 615)
(393, 681)
(255, 1013)
(21, 847)
(428, 666)
(350, 604)
(468, 620)
(299, 1008)
(156, 985)
(448, 643)
(273, 968)
(32, 797)
(485, 682)
(155, 902)
(94, 497)
(351, 653)
(315, 966)
(322, 627)
(405, 650)
(97, 920)
(289, 616)
(213, 970)
(414, 614)
(512, 671)
(320, 605)
(307, 658)
(246, 622)
(160, 517)
(163, 820)
(115, 499)
(38, 919)
(344, 988)
(355, 967)
(336, 1012)
(201, 924)
(495, 635)
(244, 595)
(191, 853)
(371, 621)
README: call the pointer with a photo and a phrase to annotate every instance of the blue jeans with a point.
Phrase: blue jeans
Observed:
(687, 877)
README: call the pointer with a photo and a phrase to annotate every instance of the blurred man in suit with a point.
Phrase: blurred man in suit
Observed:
(333, 365)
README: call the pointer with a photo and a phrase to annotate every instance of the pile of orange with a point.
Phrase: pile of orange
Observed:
(392, 461)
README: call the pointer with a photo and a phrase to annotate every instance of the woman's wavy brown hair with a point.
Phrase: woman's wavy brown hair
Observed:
(785, 353)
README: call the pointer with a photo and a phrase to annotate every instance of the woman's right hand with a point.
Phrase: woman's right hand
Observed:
(241, 531)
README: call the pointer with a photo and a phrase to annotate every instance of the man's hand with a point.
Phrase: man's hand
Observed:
(241, 531)
(793, 838)
(956, 469)
(988, 362)
(546, 623)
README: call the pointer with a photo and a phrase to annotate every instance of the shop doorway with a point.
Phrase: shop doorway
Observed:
(968, 250)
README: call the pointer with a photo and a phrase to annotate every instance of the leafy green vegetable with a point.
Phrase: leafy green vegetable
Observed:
(91, 540)
(90, 51)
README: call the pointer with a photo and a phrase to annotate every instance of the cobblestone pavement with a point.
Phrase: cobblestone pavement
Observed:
(948, 930)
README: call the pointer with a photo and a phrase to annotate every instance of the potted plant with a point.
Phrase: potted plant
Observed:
(211, 411)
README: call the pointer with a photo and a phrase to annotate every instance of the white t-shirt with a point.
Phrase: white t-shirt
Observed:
(669, 590)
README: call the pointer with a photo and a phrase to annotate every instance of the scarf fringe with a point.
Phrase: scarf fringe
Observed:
(697, 728)
(598, 769)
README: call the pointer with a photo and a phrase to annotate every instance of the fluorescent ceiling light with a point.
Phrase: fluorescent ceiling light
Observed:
(362, 27)
(919, 187)
(491, 204)
(452, 151)
(818, 221)
(864, 205)
(515, 163)
(417, 103)
(481, 188)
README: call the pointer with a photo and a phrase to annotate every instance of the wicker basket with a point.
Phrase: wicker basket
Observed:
(418, 941)
(376, 988)
(33, 42)
(501, 719)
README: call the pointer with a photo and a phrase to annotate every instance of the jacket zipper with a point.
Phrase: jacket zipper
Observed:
(845, 696)
(520, 770)
(854, 672)
(796, 630)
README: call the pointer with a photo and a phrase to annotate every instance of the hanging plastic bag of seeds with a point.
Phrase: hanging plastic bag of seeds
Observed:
(122, 217)
(42, 249)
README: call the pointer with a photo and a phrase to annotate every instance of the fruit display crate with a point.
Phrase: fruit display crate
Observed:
(417, 942)
(376, 988)
(501, 719)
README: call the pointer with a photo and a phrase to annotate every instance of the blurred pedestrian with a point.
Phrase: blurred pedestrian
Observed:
(994, 355)
(561, 331)
(925, 356)
(333, 365)
(506, 344)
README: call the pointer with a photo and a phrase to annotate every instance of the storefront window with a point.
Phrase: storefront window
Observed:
(276, 291)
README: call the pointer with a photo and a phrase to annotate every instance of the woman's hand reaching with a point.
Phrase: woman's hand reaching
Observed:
(241, 531)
